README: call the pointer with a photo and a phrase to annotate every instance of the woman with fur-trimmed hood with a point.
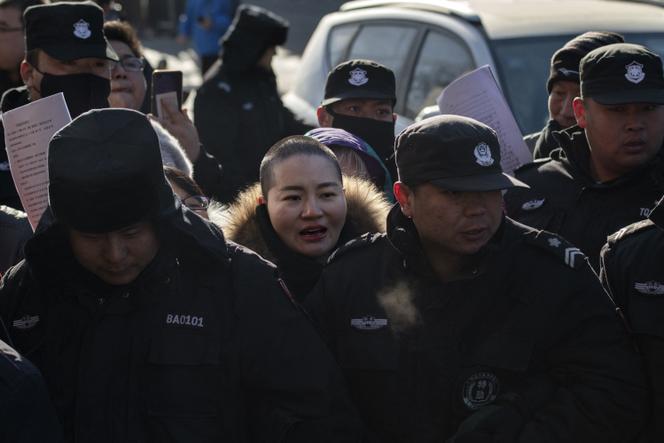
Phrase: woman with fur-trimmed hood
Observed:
(302, 210)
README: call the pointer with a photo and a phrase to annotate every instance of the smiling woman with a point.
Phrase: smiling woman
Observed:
(302, 210)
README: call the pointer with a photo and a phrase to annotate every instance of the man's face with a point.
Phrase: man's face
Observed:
(116, 257)
(12, 44)
(561, 97)
(381, 110)
(621, 137)
(49, 65)
(451, 224)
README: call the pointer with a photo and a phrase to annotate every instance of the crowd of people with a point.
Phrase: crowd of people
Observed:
(245, 277)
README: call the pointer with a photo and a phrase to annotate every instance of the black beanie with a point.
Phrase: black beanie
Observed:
(565, 61)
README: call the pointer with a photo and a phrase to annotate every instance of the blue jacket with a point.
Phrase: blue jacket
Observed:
(206, 42)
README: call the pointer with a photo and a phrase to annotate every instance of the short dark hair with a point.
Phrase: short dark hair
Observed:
(182, 180)
(288, 147)
(125, 33)
(21, 5)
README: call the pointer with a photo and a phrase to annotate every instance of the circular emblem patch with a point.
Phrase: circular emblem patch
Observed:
(82, 29)
(634, 72)
(480, 389)
(483, 154)
(358, 77)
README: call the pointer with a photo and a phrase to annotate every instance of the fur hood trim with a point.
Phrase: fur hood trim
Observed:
(367, 211)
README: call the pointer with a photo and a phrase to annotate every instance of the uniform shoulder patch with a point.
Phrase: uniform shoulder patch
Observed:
(629, 230)
(559, 247)
(355, 244)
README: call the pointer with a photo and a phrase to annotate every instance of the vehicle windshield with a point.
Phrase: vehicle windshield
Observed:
(523, 67)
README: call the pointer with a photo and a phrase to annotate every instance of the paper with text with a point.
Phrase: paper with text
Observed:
(28, 130)
(477, 95)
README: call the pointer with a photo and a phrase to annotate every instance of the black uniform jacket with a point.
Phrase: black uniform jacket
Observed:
(532, 334)
(26, 412)
(204, 346)
(633, 273)
(542, 143)
(563, 197)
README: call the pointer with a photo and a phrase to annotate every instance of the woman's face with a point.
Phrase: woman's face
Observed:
(306, 204)
(196, 203)
(127, 87)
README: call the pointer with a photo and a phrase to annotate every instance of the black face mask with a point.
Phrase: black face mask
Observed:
(82, 91)
(379, 134)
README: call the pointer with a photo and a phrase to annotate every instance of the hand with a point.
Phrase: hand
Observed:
(179, 125)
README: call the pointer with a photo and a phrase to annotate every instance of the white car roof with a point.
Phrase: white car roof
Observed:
(521, 18)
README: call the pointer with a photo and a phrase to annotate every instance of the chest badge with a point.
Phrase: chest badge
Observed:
(650, 288)
(531, 205)
(368, 323)
(82, 29)
(26, 322)
(480, 389)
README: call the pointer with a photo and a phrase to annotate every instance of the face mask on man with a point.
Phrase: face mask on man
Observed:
(378, 134)
(82, 92)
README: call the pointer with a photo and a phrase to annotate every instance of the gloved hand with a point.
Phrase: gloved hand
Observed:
(490, 424)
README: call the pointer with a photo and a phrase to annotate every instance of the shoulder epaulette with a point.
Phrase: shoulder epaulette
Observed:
(630, 230)
(559, 247)
(357, 243)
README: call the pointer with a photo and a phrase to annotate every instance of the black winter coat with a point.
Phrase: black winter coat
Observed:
(527, 350)
(239, 116)
(26, 412)
(563, 197)
(542, 143)
(204, 346)
(633, 273)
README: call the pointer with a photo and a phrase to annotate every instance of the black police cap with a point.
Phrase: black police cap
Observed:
(452, 152)
(105, 172)
(359, 79)
(254, 22)
(622, 73)
(67, 31)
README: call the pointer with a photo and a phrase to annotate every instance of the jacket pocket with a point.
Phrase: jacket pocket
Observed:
(183, 375)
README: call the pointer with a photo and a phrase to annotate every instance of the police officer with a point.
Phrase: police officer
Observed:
(609, 172)
(467, 325)
(563, 87)
(66, 51)
(145, 323)
(26, 412)
(359, 97)
(238, 111)
(632, 271)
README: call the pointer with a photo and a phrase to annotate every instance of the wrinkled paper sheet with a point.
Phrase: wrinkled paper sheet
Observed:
(28, 130)
(477, 95)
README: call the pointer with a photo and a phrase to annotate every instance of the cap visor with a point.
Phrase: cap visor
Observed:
(361, 94)
(629, 96)
(75, 52)
(479, 183)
